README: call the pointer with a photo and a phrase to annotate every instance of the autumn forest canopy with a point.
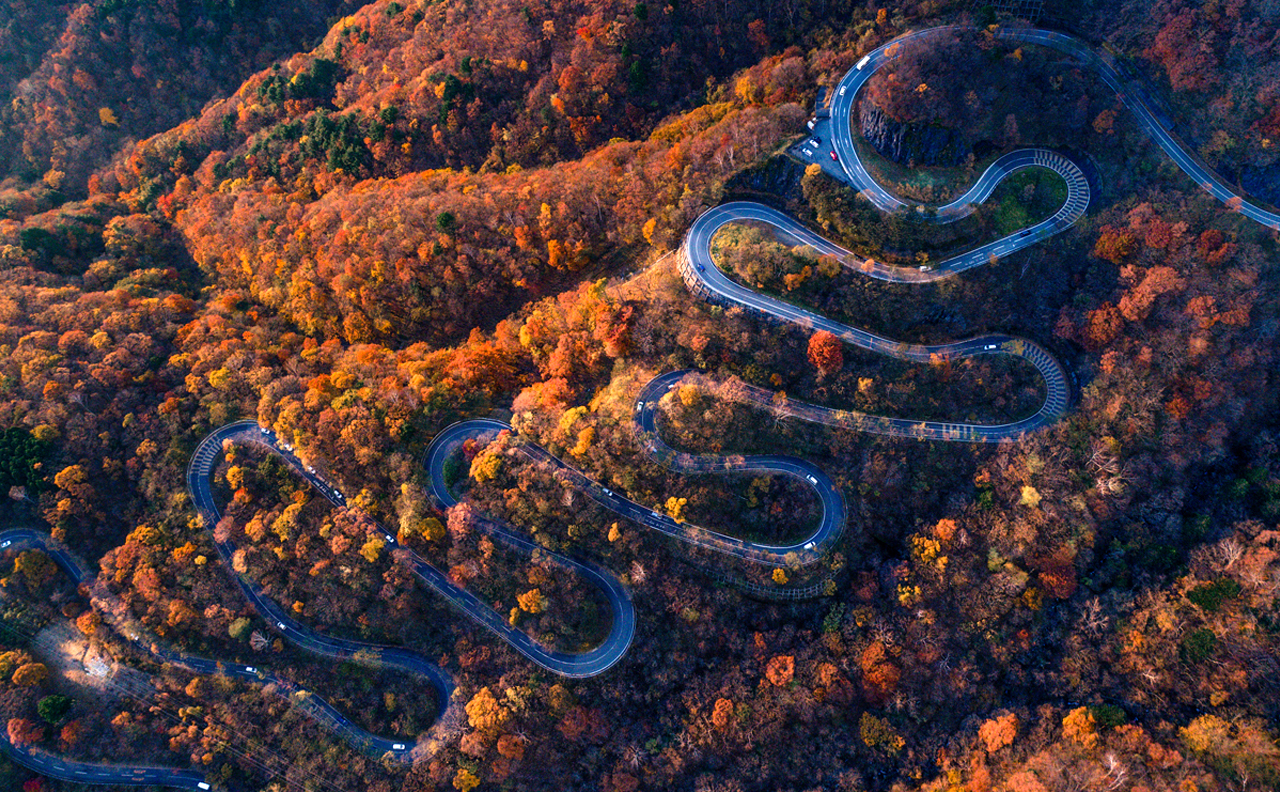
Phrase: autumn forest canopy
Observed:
(359, 224)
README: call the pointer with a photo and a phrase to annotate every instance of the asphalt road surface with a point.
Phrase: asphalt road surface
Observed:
(707, 281)
(73, 770)
(1129, 91)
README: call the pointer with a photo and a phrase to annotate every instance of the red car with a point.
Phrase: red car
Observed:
(834, 157)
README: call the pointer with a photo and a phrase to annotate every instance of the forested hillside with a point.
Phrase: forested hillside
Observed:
(358, 225)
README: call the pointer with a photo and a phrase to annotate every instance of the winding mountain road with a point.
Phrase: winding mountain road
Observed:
(706, 280)
(1129, 91)
(73, 770)
(588, 663)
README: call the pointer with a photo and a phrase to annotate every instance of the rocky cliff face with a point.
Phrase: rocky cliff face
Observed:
(922, 144)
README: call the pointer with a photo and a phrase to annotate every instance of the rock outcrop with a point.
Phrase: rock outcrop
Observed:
(921, 144)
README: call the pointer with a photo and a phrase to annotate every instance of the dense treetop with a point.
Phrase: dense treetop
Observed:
(358, 225)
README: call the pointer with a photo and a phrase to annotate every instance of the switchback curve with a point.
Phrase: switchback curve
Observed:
(1130, 92)
(74, 770)
(584, 664)
(705, 280)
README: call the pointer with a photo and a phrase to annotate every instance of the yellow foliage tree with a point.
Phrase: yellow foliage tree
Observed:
(428, 528)
(30, 674)
(1030, 497)
(877, 733)
(373, 549)
(485, 466)
(1244, 746)
(484, 712)
(532, 601)
(1080, 726)
(924, 548)
(675, 508)
(287, 521)
(465, 780)
(555, 254)
(570, 417)
(69, 477)
(585, 438)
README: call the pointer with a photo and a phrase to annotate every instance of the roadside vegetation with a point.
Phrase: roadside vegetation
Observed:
(420, 212)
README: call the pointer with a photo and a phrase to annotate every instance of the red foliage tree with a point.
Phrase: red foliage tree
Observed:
(25, 732)
(825, 352)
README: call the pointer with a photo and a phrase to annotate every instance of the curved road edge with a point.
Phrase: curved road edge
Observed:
(566, 664)
(705, 279)
(74, 770)
(1130, 93)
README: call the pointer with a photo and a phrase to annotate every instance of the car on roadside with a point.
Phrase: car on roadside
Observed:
(834, 158)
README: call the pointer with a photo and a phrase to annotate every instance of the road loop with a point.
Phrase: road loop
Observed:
(708, 282)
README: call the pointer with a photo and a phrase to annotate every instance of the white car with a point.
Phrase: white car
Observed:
(861, 63)
(842, 89)
(398, 747)
(280, 625)
(812, 480)
(639, 406)
(608, 492)
(251, 669)
(991, 346)
(6, 543)
(202, 785)
(809, 545)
